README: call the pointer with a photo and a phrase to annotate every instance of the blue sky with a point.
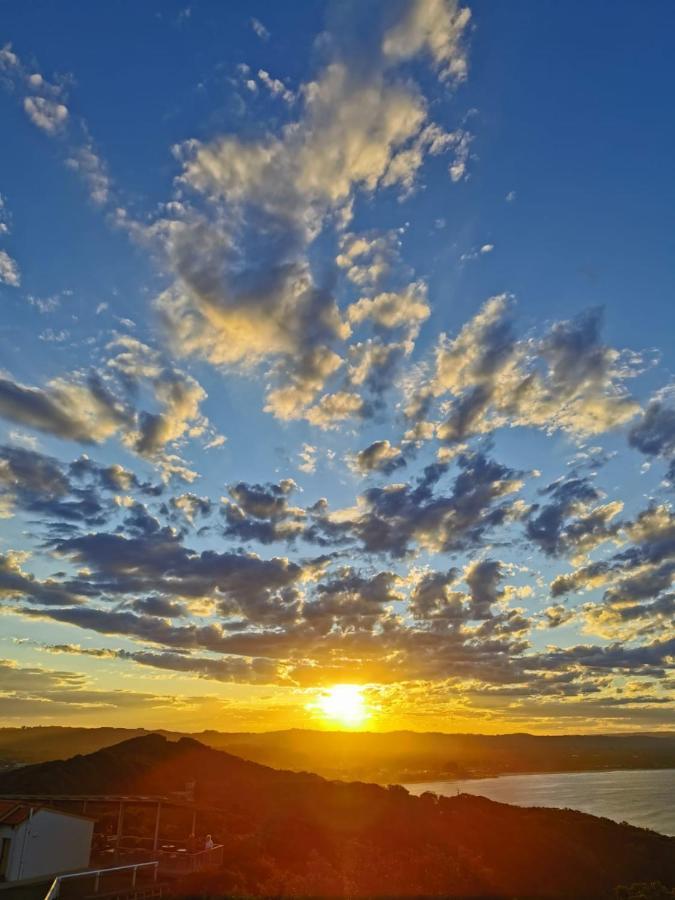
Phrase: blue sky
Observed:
(361, 316)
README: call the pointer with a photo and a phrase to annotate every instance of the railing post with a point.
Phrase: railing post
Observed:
(155, 841)
(54, 890)
(120, 825)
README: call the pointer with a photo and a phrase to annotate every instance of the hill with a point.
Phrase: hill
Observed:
(428, 756)
(289, 833)
(381, 757)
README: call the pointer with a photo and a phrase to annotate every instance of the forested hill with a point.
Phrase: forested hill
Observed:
(380, 757)
(299, 834)
(402, 756)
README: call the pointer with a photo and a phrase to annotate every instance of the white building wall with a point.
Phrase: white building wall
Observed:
(49, 842)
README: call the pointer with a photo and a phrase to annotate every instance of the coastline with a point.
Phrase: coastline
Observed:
(413, 781)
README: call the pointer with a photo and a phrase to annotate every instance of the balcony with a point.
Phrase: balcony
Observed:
(180, 861)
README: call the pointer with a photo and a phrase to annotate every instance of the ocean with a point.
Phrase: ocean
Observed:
(644, 797)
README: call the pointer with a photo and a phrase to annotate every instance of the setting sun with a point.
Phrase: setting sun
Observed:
(344, 704)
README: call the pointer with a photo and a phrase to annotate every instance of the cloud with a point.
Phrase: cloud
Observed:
(368, 259)
(483, 250)
(225, 669)
(394, 518)
(49, 115)
(9, 270)
(191, 507)
(457, 168)
(432, 600)
(408, 309)
(16, 583)
(652, 658)
(244, 293)
(272, 268)
(654, 433)
(76, 410)
(44, 103)
(153, 561)
(435, 27)
(93, 171)
(34, 692)
(331, 409)
(274, 621)
(5, 217)
(91, 408)
(276, 87)
(310, 372)
(39, 485)
(572, 499)
(114, 477)
(307, 455)
(260, 29)
(628, 620)
(483, 579)
(436, 600)
(262, 512)
(375, 366)
(557, 615)
(565, 380)
(636, 580)
(380, 456)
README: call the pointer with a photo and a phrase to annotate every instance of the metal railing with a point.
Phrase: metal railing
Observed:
(177, 862)
(96, 874)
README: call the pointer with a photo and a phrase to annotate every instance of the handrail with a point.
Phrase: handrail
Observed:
(175, 862)
(53, 891)
(192, 853)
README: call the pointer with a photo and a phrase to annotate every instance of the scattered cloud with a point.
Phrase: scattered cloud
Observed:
(260, 29)
(9, 270)
(422, 569)
(46, 114)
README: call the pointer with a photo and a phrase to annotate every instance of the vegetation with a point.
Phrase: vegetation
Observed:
(385, 757)
(297, 834)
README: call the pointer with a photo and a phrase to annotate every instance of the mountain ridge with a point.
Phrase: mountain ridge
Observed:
(382, 757)
(290, 833)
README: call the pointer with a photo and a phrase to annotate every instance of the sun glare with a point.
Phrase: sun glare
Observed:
(343, 704)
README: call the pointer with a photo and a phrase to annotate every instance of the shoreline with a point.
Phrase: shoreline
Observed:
(531, 773)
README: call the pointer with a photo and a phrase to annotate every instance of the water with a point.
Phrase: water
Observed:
(643, 797)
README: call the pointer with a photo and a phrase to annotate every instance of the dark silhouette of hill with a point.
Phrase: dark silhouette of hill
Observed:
(382, 757)
(45, 742)
(427, 756)
(297, 834)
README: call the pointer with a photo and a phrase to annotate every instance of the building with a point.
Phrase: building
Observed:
(36, 840)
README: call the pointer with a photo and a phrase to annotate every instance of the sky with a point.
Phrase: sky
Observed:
(336, 350)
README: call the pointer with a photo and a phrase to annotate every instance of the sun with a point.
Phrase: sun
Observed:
(343, 704)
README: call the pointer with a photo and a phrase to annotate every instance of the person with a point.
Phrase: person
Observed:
(208, 843)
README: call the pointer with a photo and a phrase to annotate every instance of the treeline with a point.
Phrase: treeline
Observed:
(291, 834)
(381, 757)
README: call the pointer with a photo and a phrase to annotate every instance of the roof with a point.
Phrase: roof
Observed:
(13, 814)
(132, 799)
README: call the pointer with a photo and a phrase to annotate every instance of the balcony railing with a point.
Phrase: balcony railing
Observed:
(183, 862)
(123, 879)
